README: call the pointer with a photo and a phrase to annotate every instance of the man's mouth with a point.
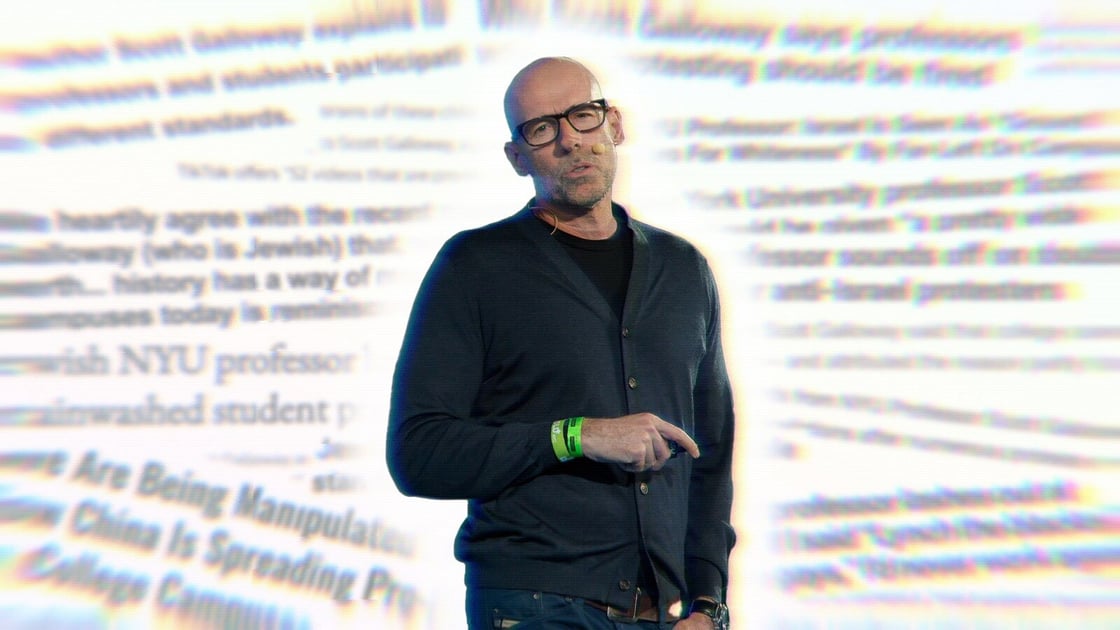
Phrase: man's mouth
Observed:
(580, 169)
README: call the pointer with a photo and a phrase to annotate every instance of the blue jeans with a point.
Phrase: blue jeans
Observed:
(499, 609)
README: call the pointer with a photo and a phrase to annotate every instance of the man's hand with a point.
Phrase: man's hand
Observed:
(695, 621)
(636, 442)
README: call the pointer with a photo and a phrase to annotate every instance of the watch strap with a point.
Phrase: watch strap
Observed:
(716, 610)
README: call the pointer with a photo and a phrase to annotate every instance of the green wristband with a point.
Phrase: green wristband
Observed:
(559, 442)
(566, 435)
(575, 435)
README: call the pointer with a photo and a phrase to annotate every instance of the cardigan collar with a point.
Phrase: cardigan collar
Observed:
(577, 280)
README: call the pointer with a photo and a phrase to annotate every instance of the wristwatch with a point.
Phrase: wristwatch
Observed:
(716, 610)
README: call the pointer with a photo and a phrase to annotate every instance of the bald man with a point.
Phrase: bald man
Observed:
(563, 372)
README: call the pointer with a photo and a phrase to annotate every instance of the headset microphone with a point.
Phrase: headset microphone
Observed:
(598, 148)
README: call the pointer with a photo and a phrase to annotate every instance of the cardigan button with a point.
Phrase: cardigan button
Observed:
(643, 488)
(624, 585)
(625, 332)
(632, 382)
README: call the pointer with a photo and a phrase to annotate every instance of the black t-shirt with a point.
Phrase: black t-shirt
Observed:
(606, 262)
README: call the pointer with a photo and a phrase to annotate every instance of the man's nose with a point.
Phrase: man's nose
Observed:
(567, 136)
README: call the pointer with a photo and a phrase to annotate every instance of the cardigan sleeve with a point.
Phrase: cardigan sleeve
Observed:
(709, 536)
(435, 448)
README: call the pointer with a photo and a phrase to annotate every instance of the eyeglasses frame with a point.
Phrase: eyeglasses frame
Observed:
(602, 102)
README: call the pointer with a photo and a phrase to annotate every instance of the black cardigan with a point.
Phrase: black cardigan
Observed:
(507, 334)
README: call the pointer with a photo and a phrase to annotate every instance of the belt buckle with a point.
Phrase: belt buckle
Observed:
(632, 617)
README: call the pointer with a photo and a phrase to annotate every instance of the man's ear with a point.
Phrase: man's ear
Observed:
(614, 119)
(513, 154)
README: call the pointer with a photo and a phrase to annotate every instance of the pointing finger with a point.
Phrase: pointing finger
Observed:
(677, 434)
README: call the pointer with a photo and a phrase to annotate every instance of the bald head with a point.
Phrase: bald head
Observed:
(542, 78)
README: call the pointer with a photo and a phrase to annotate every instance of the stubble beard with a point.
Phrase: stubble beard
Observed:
(581, 193)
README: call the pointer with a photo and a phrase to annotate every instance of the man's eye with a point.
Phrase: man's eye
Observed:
(539, 129)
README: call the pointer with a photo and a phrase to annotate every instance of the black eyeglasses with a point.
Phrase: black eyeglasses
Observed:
(583, 117)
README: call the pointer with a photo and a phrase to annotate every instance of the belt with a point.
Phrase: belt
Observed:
(642, 609)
